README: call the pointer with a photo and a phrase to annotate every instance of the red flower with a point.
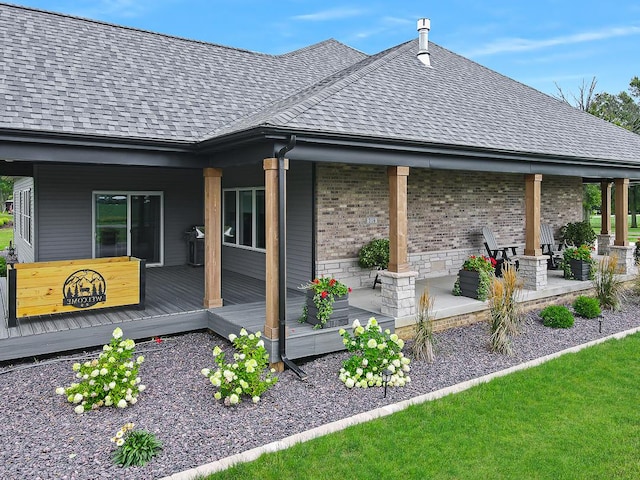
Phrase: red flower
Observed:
(315, 280)
(324, 294)
(332, 282)
(493, 262)
(157, 340)
(349, 289)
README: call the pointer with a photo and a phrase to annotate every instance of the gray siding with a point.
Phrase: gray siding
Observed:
(65, 202)
(299, 224)
(24, 250)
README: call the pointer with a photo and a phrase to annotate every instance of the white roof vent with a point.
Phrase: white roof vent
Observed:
(424, 25)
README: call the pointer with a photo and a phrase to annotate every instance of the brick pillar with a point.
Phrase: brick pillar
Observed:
(532, 215)
(626, 260)
(533, 271)
(398, 293)
(604, 243)
(622, 208)
(212, 237)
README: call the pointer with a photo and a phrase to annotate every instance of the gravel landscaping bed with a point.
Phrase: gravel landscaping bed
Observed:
(43, 438)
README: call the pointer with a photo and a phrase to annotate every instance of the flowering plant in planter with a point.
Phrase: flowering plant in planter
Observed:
(325, 291)
(485, 267)
(583, 252)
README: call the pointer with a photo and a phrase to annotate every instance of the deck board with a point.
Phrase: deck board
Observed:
(173, 304)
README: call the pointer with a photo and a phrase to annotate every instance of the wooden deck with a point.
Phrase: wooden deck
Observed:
(173, 305)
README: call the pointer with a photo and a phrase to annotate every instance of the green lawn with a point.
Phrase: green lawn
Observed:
(596, 224)
(572, 418)
(6, 236)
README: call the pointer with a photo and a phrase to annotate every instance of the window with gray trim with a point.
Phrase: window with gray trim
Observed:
(244, 218)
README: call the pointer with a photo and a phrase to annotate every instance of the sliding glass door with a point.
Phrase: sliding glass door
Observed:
(128, 223)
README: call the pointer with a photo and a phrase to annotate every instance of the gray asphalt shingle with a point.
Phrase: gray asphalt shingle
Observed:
(64, 74)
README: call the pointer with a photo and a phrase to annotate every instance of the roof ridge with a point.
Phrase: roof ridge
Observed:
(313, 94)
(314, 46)
(159, 34)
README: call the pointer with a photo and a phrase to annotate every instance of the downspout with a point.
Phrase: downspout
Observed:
(282, 261)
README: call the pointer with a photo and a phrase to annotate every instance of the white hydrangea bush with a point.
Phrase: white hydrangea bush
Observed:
(374, 352)
(110, 380)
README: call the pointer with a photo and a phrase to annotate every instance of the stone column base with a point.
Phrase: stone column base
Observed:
(398, 293)
(626, 260)
(533, 271)
(605, 240)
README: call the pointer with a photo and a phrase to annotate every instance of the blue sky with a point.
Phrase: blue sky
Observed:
(538, 43)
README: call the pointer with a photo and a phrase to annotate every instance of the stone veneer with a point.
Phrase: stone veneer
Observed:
(446, 213)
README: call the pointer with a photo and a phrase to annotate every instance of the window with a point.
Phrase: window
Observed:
(244, 218)
(23, 215)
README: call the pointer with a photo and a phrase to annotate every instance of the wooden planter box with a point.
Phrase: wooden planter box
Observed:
(469, 283)
(338, 318)
(580, 269)
(44, 288)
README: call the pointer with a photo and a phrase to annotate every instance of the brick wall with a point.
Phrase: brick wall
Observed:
(446, 213)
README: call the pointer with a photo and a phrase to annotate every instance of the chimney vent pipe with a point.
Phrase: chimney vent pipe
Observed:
(424, 25)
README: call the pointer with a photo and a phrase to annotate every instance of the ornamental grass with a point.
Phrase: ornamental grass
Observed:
(505, 312)
(609, 288)
(422, 347)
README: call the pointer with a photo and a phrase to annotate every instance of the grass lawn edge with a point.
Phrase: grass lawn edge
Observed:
(338, 425)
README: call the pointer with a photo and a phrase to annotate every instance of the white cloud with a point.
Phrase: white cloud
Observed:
(331, 14)
(509, 45)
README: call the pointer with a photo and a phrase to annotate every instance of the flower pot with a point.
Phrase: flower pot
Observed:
(338, 318)
(580, 269)
(469, 283)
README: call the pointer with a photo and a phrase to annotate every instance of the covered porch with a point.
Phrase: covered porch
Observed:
(174, 305)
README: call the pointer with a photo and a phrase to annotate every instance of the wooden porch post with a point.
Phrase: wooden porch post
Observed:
(272, 275)
(605, 190)
(212, 237)
(398, 261)
(622, 207)
(532, 215)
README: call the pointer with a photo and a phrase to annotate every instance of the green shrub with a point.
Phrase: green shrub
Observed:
(587, 307)
(375, 254)
(3, 267)
(557, 316)
(135, 447)
(578, 233)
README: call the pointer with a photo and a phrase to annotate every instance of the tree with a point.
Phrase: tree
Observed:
(622, 109)
(584, 98)
(591, 199)
(6, 189)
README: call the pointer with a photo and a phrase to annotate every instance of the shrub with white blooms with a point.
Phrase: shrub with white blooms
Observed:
(374, 352)
(110, 380)
(247, 376)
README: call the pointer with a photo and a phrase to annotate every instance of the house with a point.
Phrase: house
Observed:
(124, 139)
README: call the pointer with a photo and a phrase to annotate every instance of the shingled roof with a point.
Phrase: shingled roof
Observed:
(64, 74)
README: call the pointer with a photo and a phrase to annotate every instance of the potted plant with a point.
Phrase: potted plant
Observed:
(636, 254)
(577, 262)
(474, 277)
(375, 254)
(327, 303)
(578, 233)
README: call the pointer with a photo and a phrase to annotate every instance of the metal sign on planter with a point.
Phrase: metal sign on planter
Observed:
(84, 289)
(44, 288)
